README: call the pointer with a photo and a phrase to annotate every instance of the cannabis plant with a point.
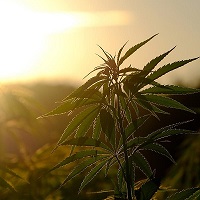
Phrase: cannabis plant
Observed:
(109, 109)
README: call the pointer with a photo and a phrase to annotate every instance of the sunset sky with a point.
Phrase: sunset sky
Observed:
(56, 40)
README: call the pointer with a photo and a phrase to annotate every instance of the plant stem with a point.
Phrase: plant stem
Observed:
(127, 169)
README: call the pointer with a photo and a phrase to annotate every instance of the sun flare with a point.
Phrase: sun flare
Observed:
(25, 44)
(23, 35)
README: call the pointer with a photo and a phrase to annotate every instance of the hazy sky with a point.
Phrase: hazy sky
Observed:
(57, 39)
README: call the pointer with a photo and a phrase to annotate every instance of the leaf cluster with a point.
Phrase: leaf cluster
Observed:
(106, 126)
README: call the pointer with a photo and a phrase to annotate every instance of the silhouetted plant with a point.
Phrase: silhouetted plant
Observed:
(108, 117)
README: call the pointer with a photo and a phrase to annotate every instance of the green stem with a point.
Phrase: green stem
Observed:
(127, 169)
(120, 165)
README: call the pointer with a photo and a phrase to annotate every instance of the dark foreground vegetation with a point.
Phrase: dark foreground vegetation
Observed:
(26, 145)
(112, 124)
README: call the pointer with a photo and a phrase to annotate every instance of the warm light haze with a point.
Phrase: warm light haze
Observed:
(57, 40)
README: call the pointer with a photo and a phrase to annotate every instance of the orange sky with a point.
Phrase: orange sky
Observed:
(56, 40)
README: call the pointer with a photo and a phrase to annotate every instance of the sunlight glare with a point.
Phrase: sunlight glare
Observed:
(106, 18)
(23, 35)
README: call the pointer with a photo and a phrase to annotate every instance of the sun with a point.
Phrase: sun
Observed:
(23, 37)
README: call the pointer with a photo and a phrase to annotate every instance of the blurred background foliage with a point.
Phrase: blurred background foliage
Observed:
(26, 145)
